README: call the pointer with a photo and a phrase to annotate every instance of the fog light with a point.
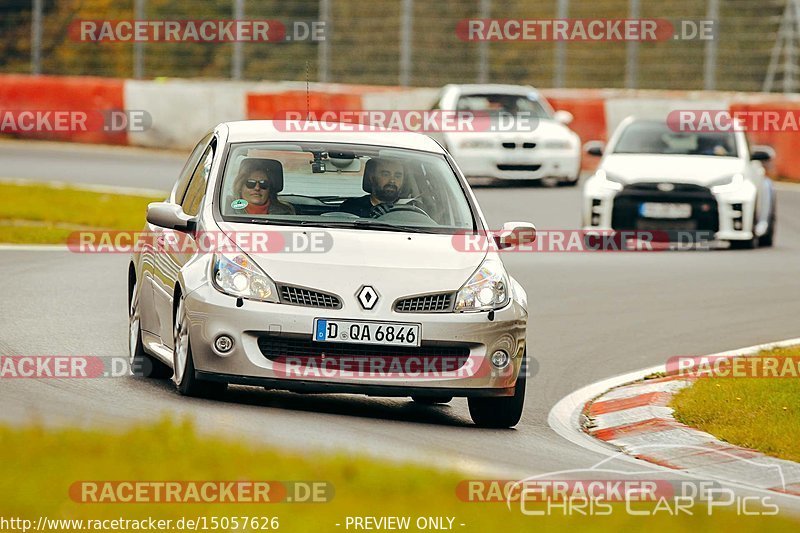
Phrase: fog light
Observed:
(223, 344)
(595, 220)
(737, 224)
(500, 359)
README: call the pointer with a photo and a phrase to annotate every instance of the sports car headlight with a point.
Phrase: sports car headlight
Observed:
(238, 275)
(475, 143)
(487, 289)
(557, 145)
(727, 184)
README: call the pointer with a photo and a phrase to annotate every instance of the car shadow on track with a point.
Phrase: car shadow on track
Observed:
(395, 409)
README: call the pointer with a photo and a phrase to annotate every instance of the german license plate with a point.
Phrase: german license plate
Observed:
(364, 332)
(665, 210)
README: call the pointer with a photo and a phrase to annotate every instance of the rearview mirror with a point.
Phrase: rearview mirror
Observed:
(564, 117)
(515, 234)
(594, 148)
(762, 153)
(170, 216)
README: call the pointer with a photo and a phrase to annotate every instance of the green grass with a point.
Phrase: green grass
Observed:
(758, 413)
(40, 465)
(41, 213)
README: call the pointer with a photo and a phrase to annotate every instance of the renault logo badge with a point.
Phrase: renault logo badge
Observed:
(367, 297)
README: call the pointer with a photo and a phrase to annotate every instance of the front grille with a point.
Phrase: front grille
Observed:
(429, 303)
(347, 356)
(510, 146)
(704, 218)
(527, 168)
(308, 298)
(529, 145)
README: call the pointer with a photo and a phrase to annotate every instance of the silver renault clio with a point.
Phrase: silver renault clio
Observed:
(329, 260)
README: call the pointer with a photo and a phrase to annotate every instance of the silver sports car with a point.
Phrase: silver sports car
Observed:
(329, 262)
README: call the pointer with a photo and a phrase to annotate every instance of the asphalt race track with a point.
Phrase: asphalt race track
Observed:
(593, 315)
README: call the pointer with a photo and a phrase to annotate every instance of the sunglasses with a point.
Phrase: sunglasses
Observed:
(251, 184)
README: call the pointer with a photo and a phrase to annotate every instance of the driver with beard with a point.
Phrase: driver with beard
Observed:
(386, 177)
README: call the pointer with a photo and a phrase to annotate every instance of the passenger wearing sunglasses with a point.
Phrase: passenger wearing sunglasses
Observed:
(258, 183)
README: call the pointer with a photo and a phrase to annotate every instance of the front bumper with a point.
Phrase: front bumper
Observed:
(714, 216)
(212, 313)
(538, 164)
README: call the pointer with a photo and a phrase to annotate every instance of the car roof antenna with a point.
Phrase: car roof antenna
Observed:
(308, 96)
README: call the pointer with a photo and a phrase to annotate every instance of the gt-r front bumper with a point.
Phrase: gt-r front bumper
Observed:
(714, 216)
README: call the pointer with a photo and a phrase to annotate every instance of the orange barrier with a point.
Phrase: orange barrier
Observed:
(69, 97)
(589, 122)
(276, 105)
(785, 143)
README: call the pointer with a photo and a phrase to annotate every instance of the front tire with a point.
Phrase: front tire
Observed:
(143, 365)
(184, 376)
(768, 239)
(503, 412)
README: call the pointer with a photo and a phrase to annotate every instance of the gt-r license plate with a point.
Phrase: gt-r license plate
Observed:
(362, 332)
(665, 210)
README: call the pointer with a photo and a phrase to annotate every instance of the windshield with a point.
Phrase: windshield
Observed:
(658, 138)
(343, 185)
(496, 104)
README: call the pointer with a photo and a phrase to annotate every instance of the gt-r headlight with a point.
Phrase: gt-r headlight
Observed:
(238, 275)
(557, 145)
(609, 181)
(727, 184)
(487, 289)
(476, 143)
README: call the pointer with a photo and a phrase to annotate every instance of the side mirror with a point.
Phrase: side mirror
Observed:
(170, 216)
(594, 148)
(515, 234)
(762, 153)
(564, 117)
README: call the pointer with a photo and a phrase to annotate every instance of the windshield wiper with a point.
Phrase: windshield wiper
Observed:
(385, 226)
(365, 223)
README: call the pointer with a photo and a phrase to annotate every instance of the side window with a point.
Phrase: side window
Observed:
(179, 190)
(197, 186)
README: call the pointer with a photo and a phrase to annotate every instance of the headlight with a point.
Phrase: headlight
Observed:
(557, 145)
(609, 181)
(238, 275)
(487, 289)
(727, 184)
(476, 143)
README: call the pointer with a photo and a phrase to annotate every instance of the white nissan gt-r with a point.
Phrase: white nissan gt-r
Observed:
(711, 186)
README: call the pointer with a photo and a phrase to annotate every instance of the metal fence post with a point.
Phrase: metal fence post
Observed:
(710, 64)
(406, 28)
(237, 60)
(324, 50)
(36, 37)
(560, 67)
(138, 46)
(632, 50)
(483, 45)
